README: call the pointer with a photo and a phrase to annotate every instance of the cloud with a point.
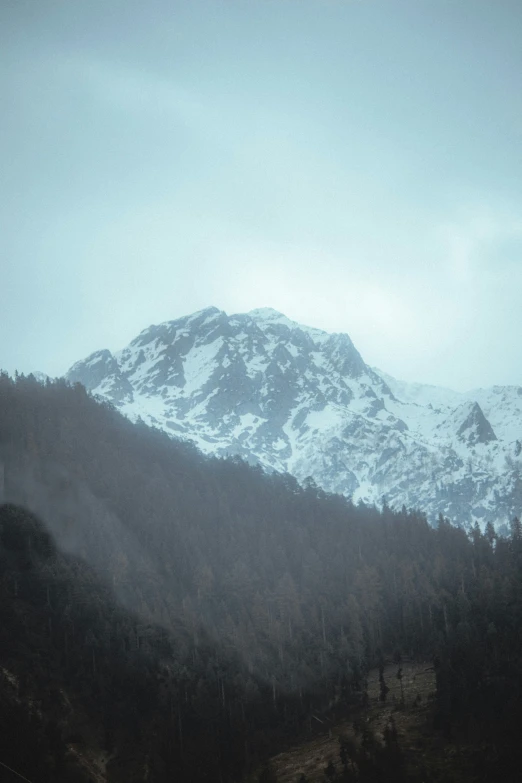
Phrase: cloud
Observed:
(136, 90)
(333, 291)
(471, 242)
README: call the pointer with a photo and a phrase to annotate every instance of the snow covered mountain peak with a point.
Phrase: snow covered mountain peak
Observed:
(298, 399)
(269, 315)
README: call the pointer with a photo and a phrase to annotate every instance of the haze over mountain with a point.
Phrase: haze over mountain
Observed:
(297, 399)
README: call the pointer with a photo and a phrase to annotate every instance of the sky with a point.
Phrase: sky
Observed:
(355, 164)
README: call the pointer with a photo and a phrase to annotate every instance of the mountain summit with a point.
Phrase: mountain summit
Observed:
(300, 400)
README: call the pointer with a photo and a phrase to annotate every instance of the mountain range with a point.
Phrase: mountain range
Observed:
(296, 399)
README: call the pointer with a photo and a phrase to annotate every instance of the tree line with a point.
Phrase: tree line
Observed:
(234, 603)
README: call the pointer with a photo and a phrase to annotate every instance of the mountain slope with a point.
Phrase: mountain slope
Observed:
(299, 400)
(68, 654)
(249, 607)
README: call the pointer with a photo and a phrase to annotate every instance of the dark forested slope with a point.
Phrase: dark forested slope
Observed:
(88, 691)
(293, 580)
(246, 603)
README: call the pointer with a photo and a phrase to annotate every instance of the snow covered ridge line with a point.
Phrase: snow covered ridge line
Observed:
(298, 399)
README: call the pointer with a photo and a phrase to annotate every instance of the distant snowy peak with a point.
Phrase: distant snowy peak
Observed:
(476, 428)
(421, 393)
(469, 424)
(101, 371)
(266, 317)
(41, 377)
(298, 399)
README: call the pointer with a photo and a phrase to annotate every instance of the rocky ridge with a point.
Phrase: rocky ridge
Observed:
(299, 400)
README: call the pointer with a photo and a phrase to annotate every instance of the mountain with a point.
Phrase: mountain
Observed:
(172, 616)
(166, 615)
(299, 400)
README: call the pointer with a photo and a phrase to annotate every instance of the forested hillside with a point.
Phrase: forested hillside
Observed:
(204, 610)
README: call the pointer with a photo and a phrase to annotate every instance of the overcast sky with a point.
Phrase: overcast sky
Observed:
(356, 164)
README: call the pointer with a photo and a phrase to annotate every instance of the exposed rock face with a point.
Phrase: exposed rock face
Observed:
(476, 428)
(298, 399)
(101, 371)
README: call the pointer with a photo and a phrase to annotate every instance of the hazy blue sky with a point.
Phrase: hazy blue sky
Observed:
(356, 164)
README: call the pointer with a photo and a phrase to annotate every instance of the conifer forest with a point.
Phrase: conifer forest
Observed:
(167, 616)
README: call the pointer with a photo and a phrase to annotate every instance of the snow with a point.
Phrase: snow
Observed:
(329, 418)
(246, 422)
(421, 393)
(365, 492)
(279, 444)
(210, 313)
(269, 315)
(502, 406)
(143, 371)
(407, 450)
(145, 407)
(266, 316)
(96, 358)
(199, 365)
